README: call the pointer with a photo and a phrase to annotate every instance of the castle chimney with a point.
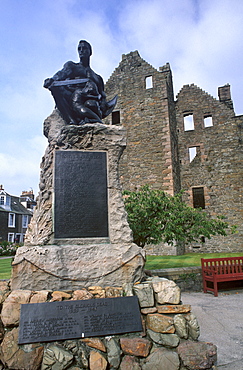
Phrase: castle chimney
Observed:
(224, 95)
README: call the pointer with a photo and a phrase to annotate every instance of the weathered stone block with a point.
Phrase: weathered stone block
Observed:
(95, 343)
(197, 355)
(193, 326)
(147, 310)
(162, 359)
(4, 290)
(167, 340)
(97, 291)
(136, 346)
(129, 363)
(145, 294)
(183, 308)
(60, 296)
(113, 292)
(11, 307)
(27, 357)
(166, 291)
(113, 353)
(55, 354)
(39, 297)
(82, 294)
(97, 361)
(160, 323)
(69, 267)
(181, 326)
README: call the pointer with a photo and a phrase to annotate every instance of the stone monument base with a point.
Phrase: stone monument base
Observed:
(70, 267)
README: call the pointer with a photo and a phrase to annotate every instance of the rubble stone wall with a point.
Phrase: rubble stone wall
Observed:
(149, 117)
(218, 165)
(169, 339)
(157, 144)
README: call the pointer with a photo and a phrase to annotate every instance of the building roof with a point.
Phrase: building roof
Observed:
(16, 206)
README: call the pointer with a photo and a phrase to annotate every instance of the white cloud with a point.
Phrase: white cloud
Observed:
(201, 39)
(20, 166)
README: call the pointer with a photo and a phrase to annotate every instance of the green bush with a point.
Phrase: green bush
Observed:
(8, 249)
(155, 217)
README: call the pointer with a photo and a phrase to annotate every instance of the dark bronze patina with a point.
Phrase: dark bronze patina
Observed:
(79, 92)
(81, 208)
(45, 322)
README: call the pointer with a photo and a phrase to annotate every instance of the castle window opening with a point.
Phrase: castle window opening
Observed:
(149, 82)
(198, 197)
(208, 121)
(192, 153)
(188, 122)
(115, 117)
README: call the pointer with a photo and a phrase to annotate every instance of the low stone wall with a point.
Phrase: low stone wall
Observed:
(169, 339)
(187, 278)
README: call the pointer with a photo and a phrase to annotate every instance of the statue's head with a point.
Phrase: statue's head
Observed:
(84, 48)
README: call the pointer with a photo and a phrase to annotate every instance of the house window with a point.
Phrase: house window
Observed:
(192, 153)
(115, 117)
(188, 122)
(11, 220)
(198, 197)
(2, 200)
(11, 237)
(18, 238)
(24, 221)
(149, 82)
(208, 121)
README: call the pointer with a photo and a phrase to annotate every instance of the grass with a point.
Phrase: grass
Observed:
(5, 268)
(152, 263)
(191, 259)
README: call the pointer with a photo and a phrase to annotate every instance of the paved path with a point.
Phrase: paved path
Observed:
(221, 323)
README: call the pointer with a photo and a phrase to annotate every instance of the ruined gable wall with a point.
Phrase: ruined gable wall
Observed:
(218, 166)
(148, 117)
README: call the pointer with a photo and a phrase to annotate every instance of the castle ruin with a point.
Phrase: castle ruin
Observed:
(193, 142)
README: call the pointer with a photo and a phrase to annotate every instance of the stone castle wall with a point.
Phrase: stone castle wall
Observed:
(157, 150)
(147, 116)
(218, 165)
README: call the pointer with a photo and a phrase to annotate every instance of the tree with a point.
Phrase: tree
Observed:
(155, 217)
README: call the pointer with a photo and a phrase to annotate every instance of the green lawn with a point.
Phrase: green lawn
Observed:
(5, 268)
(192, 259)
(152, 263)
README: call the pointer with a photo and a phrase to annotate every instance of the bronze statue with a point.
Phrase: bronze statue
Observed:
(79, 92)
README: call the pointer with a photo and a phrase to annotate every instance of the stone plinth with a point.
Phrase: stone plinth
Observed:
(49, 262)
(149, 349)
(76, 266)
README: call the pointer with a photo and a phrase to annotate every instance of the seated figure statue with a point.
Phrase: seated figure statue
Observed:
(79, 92)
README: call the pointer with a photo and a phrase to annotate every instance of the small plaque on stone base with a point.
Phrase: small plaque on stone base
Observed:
(51, 321)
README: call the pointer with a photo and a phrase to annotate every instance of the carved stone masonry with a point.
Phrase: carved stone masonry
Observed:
(47, 262)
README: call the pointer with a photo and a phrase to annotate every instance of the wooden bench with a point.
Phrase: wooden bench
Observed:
(216, 270)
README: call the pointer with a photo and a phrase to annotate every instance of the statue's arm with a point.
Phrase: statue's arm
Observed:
(101, 88)
(63, 74)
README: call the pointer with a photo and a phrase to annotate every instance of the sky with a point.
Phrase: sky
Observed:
(201, 39)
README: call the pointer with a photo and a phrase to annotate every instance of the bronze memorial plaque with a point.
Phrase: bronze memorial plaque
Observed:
(80, 187)
(51, 321)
